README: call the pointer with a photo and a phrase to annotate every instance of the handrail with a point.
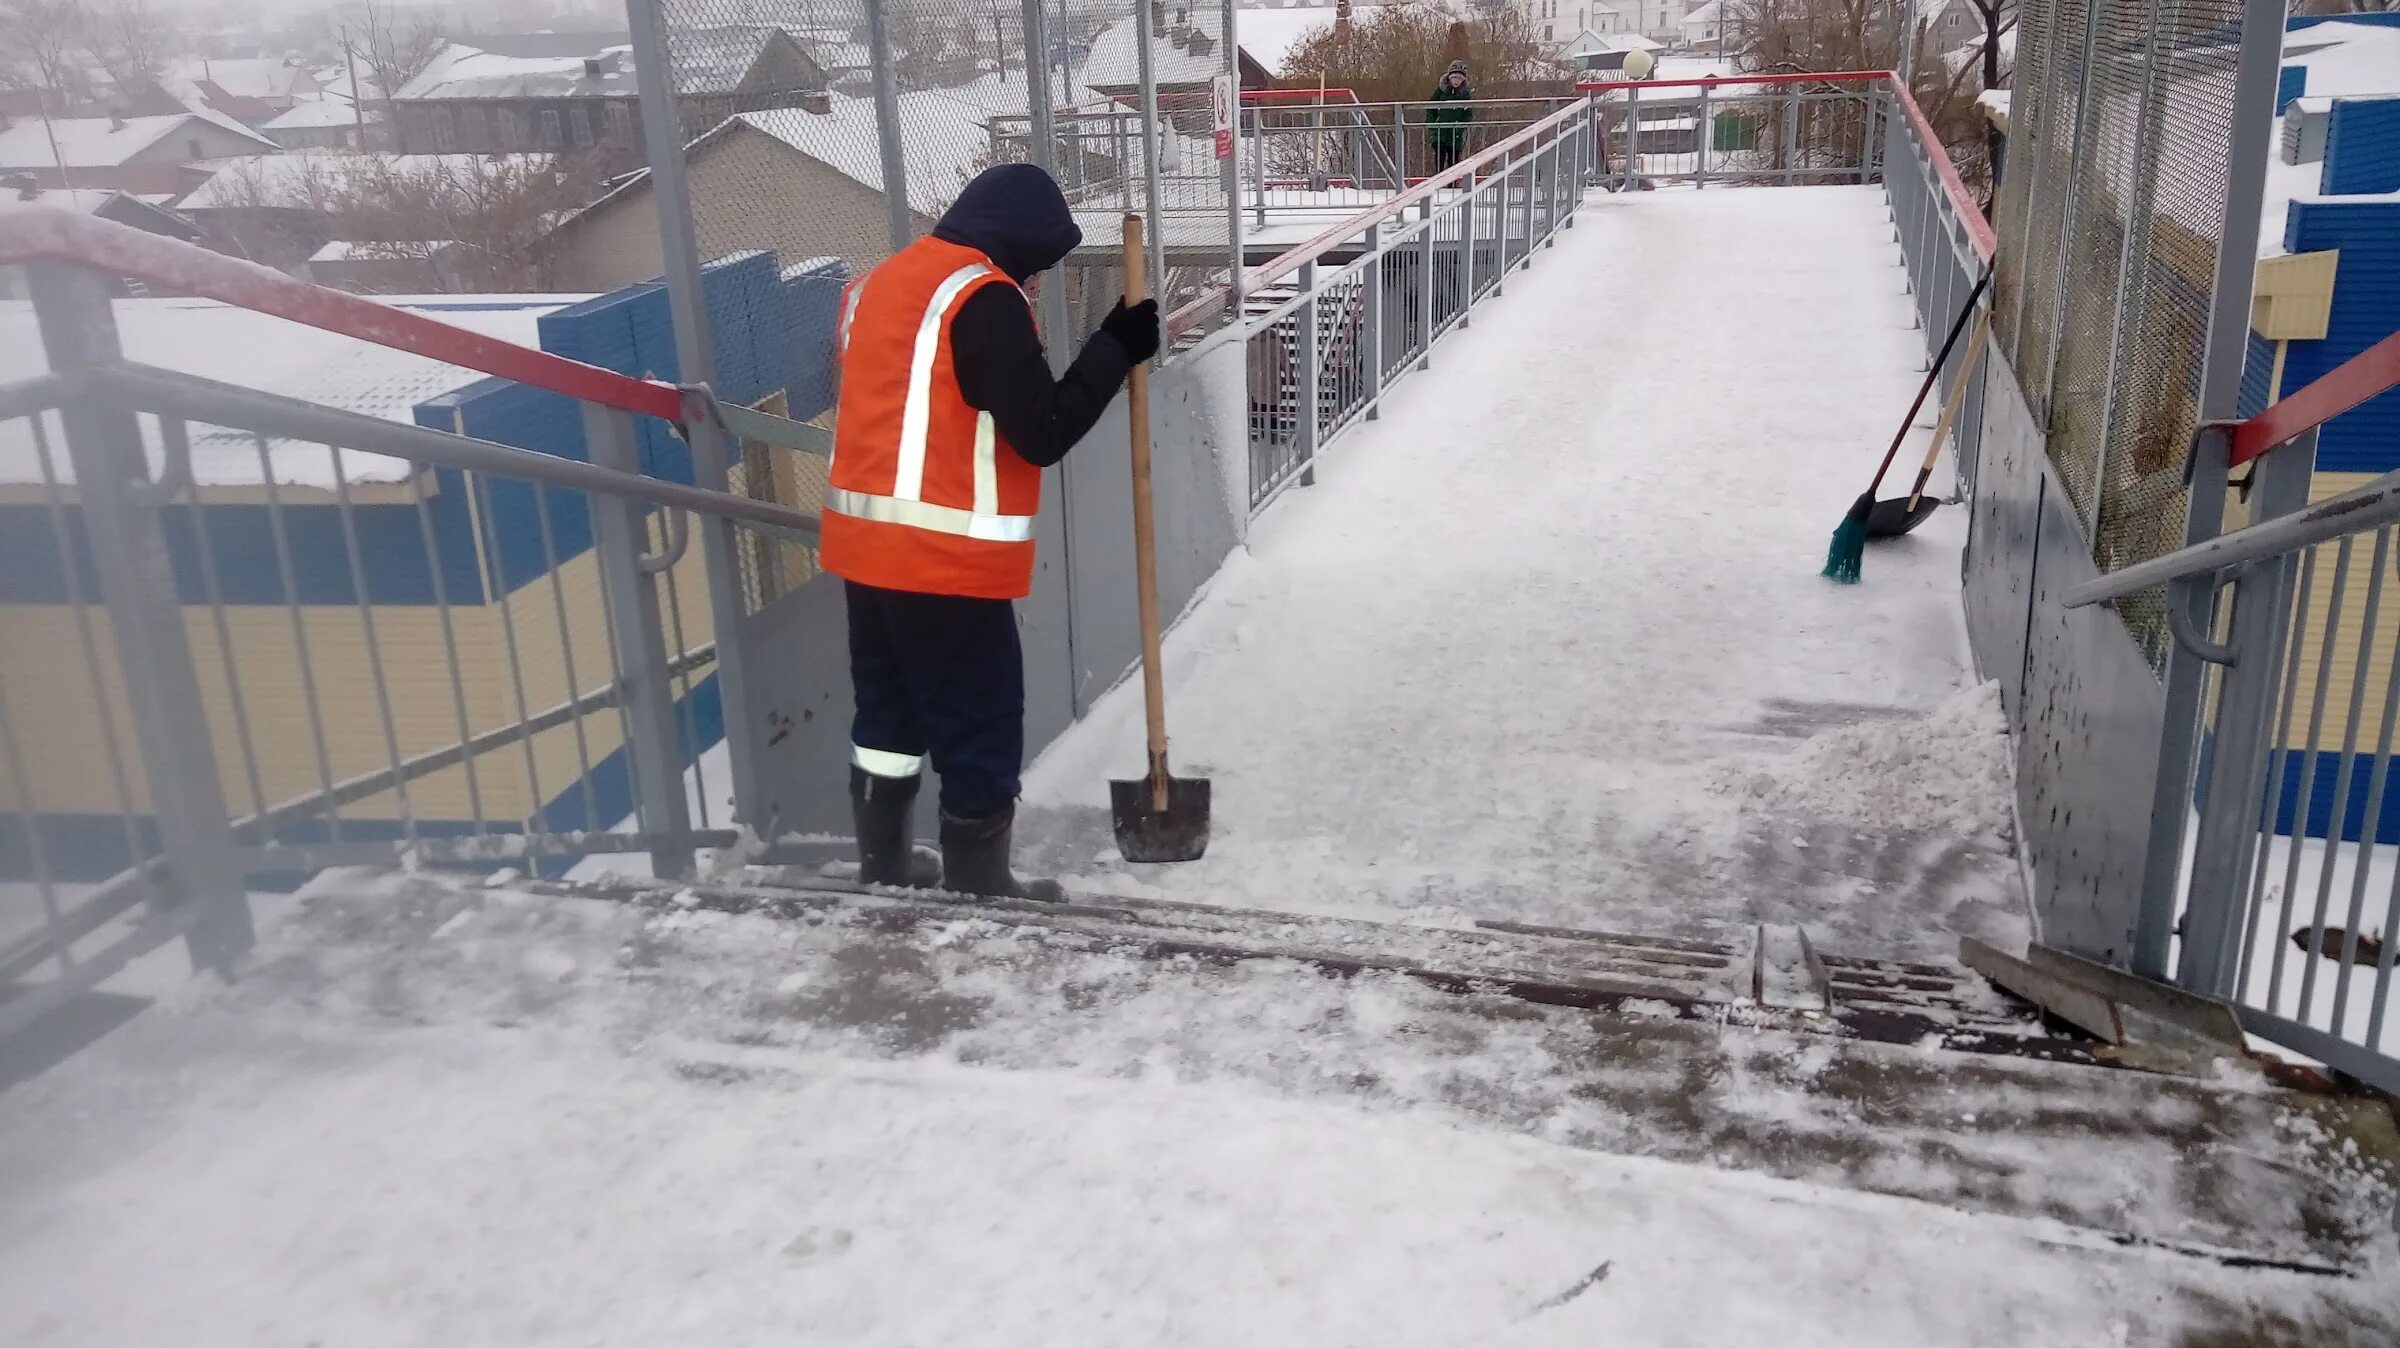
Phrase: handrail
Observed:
(1979, 230)
(1717, 81)
(2361, 508)
(49, 234)
(1291, 259)
(2363, 376)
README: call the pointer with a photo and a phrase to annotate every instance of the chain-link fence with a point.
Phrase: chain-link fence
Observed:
(2109, 219)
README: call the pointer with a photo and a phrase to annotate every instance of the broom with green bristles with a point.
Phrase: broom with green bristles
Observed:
(1849, 544)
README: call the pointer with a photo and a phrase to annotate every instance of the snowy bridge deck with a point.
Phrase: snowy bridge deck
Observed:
(1548, 642)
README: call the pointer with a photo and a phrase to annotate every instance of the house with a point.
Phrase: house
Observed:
(810, 183)
(2327, 288)
(576, 91)
(1704, 28)
(279, 209)
(386, 266)
(1184, 59)
(325, 124)
(20, 192)
(250, 91)
(145, 156)
(1558, 24)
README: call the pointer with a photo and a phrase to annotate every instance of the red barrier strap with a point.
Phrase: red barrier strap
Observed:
(2363, 376)
(54, 235)
(1978, 228)
(1718, 81)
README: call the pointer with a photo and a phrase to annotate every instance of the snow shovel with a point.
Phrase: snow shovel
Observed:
(1160, 817)
(1897, 515)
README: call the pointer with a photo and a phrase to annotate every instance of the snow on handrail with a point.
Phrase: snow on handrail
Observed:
(2371, 372)
(48, 234)
(1718, 81)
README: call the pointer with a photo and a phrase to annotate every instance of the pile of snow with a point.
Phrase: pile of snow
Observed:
(1947, 772)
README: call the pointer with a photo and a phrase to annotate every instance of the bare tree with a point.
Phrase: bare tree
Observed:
(41, 43)
(129, 40)
(396, 49)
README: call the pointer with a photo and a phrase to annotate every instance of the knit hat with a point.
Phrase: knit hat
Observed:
(1458, 67)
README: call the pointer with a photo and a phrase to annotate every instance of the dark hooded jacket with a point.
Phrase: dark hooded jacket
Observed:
(1015, 215)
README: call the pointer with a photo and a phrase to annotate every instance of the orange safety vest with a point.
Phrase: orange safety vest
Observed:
(923, 494)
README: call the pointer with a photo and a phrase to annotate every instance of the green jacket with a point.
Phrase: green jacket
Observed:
(1445, 117)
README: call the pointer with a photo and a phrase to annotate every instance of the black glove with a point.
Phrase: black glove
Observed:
(1135, 329)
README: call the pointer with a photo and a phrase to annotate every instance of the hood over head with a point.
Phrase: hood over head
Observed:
(1015, 215)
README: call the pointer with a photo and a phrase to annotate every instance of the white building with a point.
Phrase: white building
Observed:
(1562, 22)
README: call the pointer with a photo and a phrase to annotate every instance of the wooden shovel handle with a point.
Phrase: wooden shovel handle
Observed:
(1952, 404)
(1145, 539)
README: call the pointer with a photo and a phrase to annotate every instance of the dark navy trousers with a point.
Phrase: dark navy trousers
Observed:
(942, 677)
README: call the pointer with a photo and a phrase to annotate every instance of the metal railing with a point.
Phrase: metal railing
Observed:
(2290, 902)
(1330, 326)
(258, 635)
(1749, 130)
(1946, 244)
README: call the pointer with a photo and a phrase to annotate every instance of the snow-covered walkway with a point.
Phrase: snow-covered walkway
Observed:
(1548, 641)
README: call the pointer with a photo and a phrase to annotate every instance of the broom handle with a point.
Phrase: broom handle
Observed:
(1145, 542)
(1951, 405)
(1956, 327)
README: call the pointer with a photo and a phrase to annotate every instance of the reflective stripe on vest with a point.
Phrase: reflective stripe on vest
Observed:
(906, 505)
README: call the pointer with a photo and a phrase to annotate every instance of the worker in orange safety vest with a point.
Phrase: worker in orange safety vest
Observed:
(948, 415)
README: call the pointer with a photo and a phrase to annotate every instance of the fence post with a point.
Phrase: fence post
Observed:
(1400, 147)
(1372, 337)
(1791, 136)
(1051, 307)
(1533, 185)
(120, 510)
(1633, 135)
(887, 125)
(1425, 285)
(695, 358)
(1700, 144)
(1305, 380)
(1258, 161)
(620, 531)
(1466, 261)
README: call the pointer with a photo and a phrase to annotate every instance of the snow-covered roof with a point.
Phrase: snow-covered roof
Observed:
(2343, 60)
(319, 113)
(945, 137)
(705, 60)
(1712, 12)
(240, 346)
(83, 200)
(254, 77)
(1115, 62)
(101, 142)
(1274, 36)
(296, 181)
(1994, 102)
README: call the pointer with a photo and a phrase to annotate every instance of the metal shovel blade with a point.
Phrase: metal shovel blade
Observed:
(1146, 833)
(1892, 517)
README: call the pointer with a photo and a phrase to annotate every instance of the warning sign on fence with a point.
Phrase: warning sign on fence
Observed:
(1220, 108)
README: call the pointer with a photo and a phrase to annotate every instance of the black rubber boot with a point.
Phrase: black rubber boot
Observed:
(880, 807)
(975, 859)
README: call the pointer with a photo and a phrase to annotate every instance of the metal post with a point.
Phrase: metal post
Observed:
(1372, 337)
(1466, 258)
(2216, 917)
(1791, 136)
(887, 127)
(1425, 284)
(1700, 145)
(688, 306)
(2255, 74)
(120, 509)
(644, 692)
(1157, 230)
(1231, 171)
(1400, 147)
(1633, 134)
(1305, 376)
(1050, 306)
(1258, 161)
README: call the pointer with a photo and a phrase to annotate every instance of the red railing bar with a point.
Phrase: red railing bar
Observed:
(2354, 381)
(1979, 230)
(1291, 258)
(48, 234)
(1719, 81)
